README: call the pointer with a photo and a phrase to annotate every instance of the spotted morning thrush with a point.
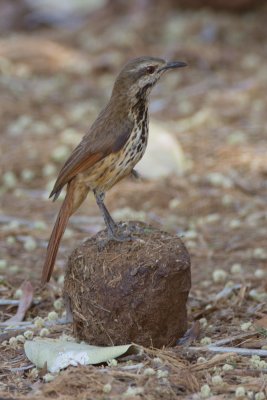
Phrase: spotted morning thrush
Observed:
(109, 150)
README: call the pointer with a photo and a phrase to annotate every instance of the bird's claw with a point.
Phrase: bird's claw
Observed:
(112, 236)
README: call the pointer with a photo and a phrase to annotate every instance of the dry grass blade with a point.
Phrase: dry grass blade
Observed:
(234, 338)
(24, 303)
(219, 358)
(231, 350)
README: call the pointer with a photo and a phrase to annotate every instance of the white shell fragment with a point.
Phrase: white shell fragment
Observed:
(164, 155)
(59, 354)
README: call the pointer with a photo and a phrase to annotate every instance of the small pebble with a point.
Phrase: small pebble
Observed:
(162, 373)
(44, 332)
(205, 391)
(19, 125)
(262, 364)
(220, 180)
(12, 225)
(157, 360)
(10, 179)
(18, 293)
(13, 342)
(227, 200)
(191, 244)
(205, 341)
(28, 335)
(27, 175)
(19, 193)
(259, 273)
(10, 240)
(107, 388)
(70, 136)
(40, 225)
(58, 304)
(254, 360)
(49, 169)
(39, 322)
(246, 326)
(260, 396)
(212, 218)
(203, 322)
(48, 377)
(217, 380)
(20, 339)
(174, 203)
(240, 392)
(133, 391)
(112, 363)
(191, 234)
(68, 233)
(57, 121)
(251, 61)
(60, 280)
(3, 264)
(52, 316)
(257, 296)
(205, 284)
(149, 371)
(30, 244)
(60, 153)
(236, 138)
(236, 269)
(13, 269)
(260, 253)
(235, 223)
(40, 128)
(201, 360)
(219, 275)
(227, 367)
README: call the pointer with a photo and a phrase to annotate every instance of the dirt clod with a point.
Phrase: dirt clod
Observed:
(132, 291)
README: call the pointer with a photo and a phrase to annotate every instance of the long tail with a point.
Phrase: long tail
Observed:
(62, 219)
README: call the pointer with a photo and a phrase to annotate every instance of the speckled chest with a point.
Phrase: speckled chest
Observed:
(104, 174)
(136, 145)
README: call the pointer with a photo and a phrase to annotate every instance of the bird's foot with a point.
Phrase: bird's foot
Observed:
(115, 236)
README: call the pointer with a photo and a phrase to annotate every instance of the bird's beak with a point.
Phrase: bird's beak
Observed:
(173, 64)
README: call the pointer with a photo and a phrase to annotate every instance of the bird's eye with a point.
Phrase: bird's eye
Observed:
(150, 69)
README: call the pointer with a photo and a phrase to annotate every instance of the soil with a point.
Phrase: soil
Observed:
(54, 81)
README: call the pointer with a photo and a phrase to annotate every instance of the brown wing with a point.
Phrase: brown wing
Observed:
(108, 134)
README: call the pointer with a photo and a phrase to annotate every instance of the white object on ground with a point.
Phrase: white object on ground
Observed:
(164, 155)
(59, 354)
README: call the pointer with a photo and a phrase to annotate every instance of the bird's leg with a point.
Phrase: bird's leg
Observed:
(110, 223)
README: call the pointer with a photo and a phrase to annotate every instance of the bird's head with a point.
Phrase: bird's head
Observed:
(138, 76)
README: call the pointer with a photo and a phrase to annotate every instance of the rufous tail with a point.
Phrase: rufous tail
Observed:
(62, 219)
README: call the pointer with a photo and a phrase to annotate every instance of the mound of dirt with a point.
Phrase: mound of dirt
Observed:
(132, 291)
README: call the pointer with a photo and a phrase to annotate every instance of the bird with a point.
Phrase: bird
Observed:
(109, 150)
